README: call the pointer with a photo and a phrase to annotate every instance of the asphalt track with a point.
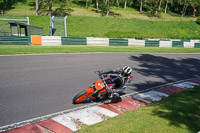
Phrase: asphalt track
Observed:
(36, 85)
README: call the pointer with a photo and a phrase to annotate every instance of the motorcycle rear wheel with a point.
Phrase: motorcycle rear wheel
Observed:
(80, 97)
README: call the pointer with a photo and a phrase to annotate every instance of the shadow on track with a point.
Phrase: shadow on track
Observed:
(166, 69)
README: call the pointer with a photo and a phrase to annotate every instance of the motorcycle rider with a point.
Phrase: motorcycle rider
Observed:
(119, 77)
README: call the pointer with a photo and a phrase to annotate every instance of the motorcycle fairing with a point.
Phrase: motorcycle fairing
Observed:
(99, 85)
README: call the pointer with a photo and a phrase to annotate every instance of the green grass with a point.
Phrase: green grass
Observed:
(21, 49)
(121, 28)
(178, 113)
(123, 24)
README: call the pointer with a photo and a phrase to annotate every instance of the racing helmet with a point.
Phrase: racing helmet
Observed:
(126, 71)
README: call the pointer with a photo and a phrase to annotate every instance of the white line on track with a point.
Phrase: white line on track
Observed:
(102, 53)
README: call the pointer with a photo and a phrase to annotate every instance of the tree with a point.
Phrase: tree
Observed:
(7, 4)
(153, 7)
(86, 3)
(125, 2)
(108, 7)
(167, 2)
(50, 6)
(117, 3)
(142, 3)
(97, 5)
(141, 6)
(185, 6)
(45, 6)
(37, 7)
(160, 3)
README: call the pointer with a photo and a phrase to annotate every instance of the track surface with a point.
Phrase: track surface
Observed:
(36, 85)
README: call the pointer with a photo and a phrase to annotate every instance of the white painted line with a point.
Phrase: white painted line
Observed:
(74, 123)
(150, 96)
(103, 111)
(67, 122)
(186, 85)
(85, 116)
(98, 53)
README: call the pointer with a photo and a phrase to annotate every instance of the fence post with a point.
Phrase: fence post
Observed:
(65, 23)
(28, 21)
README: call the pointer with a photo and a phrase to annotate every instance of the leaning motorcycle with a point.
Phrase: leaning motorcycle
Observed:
(98, 91)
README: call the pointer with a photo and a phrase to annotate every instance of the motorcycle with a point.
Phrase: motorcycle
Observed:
(98, 91)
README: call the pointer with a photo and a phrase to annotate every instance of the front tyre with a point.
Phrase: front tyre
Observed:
(80, 97)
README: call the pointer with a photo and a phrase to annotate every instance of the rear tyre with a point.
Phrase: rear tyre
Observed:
(80, 97)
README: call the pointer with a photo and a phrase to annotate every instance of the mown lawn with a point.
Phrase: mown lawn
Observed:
(82, 26)
(178, 113)
(21, 49)
(122, 24)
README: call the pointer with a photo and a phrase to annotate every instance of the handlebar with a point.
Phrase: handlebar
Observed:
(98, 72)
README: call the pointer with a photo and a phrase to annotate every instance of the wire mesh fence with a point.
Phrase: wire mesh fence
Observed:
(59, 24)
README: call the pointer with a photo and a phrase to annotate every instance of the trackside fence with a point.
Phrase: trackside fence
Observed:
(95, 41)
(15, 40)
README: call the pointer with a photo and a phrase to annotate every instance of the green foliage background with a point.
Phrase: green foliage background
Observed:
(82, 26)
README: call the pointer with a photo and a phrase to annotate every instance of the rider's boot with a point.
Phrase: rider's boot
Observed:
(115, 97)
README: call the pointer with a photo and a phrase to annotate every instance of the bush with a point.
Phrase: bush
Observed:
(198, 20)
(62, 11)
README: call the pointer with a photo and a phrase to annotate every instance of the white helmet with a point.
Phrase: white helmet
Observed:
(126, 71)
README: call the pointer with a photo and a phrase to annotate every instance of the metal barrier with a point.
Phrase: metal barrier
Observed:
(17, 40)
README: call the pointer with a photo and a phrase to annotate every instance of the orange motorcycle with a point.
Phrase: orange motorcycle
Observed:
(98, 91)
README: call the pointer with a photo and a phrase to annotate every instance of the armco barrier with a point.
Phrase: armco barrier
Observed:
(36, 40)
(118, 42)
(16, 40)
(177, 43)
(152, 43)
(135, 42)
(51, 41)
(92, 41)
(74, 40)
(188, 44)
(164, 43)
(197, 45)
(95, 41)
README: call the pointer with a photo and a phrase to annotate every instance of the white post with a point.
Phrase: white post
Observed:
(28, 22)
(65, 23)
(52, 21)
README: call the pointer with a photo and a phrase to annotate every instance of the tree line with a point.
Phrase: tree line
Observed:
(152, 7)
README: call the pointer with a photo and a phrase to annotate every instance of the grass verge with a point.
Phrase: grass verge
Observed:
(84, 26)
(21, 49)
(178, 113)
(121, 28)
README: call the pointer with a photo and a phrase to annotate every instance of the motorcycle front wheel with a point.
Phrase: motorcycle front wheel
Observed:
(80, 97)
